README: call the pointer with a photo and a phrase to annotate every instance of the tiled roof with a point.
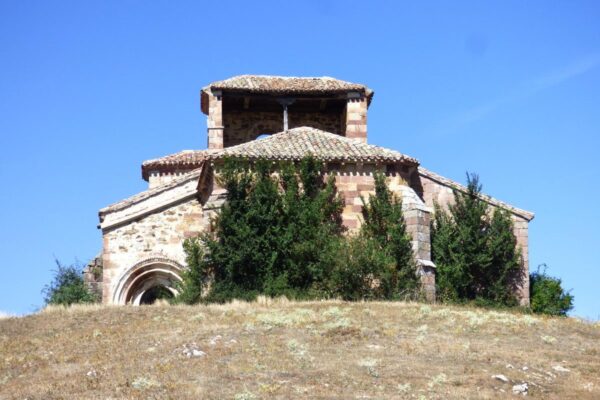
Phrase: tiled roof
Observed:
(137, 198)
(293, 144)
(288, 84)
(184, 160)
(297, 143)
(528, 215)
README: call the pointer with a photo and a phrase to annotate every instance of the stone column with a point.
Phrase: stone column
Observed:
(417, 225)
(521, 228)
(214, 120)
(417, 216)
(356, 116)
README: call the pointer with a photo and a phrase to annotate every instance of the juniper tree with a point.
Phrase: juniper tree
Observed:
(384, 225)
(311, 223)
(475, 250)
(270, 236)
(502, 280)
(193, 278)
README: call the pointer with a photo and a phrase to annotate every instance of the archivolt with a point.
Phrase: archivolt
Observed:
(145, 275)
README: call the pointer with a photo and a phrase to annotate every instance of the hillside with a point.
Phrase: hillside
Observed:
(279, 349)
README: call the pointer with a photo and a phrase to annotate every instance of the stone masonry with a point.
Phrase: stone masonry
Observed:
(327, 119)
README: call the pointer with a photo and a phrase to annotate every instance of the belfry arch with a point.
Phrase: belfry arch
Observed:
(142, 283)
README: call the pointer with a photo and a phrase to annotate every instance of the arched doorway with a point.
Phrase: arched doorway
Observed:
(154, 294)
(148, 281)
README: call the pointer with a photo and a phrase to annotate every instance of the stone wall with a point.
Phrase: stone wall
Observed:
(214, 121)
(244, 126)
(158, 235)
(356, 117)
(92, 276)
(521, 229)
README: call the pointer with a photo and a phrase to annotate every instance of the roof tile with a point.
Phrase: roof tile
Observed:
(293, 144)
(288, 84)
(137, 198)
(297, 143)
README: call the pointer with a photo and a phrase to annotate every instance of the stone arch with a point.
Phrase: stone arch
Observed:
(146, 275)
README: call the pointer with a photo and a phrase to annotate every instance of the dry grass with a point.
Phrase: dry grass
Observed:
(279, 349)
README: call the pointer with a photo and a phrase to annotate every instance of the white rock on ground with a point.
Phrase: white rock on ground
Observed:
(215, 340)
(192, 350)
(197, 353)
(560, 368)
(500, 377)
(521, 389)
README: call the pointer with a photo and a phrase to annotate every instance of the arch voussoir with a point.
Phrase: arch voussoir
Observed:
(146, 275)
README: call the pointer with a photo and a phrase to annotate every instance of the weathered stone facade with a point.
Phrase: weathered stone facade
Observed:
(157, 236)
(325, 118)
(92, 276)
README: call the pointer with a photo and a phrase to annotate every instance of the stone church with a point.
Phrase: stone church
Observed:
(273, 118)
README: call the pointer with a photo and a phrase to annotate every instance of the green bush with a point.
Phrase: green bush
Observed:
(67, 287)
(280, 233)
(361, 271)
(269, 236)
(194, 277)
(547, 295)
(475, 250)
(384, 229)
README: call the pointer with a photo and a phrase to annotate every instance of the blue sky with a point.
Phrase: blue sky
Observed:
(88, 90)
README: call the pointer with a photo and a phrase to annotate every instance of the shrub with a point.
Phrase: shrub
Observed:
(361, 270)
(475, 250)
(269, 236)
(194, 276)
(280, 233)
(384, 228)
(67, 287)
(547, 295)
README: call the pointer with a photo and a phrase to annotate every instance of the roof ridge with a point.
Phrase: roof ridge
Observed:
(485, 197)
(278, 135)
(293, 144)
(285, 77)
(298, 142)
(292, 84)
(138, 197)
(152, 160)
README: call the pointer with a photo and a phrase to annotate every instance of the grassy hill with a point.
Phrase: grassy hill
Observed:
(279, 349)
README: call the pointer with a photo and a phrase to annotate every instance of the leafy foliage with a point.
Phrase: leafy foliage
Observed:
(193, 278)
(67, 287)
(361, 271)
(280, 232)
(547, 295)
(384, 228)
(272, 235)
(475, 250)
